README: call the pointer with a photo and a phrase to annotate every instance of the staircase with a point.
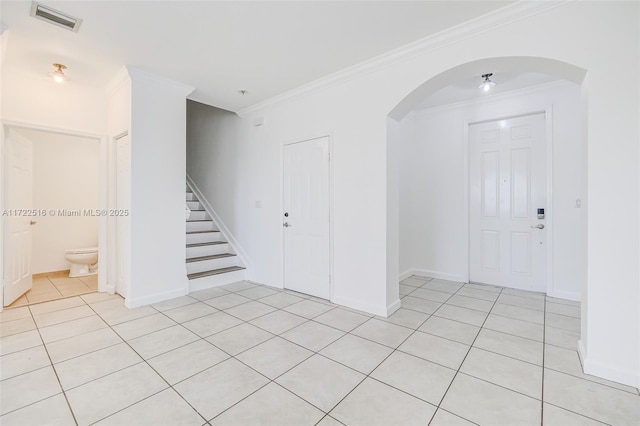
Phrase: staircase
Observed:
(210, 261)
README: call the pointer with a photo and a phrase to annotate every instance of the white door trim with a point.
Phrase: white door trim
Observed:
(328, 135)
(548, 115)
(103, 257)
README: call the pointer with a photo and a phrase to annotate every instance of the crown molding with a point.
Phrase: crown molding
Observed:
(490, 21)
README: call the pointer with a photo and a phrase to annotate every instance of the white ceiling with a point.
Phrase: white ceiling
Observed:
(220, 47)
(468, 89)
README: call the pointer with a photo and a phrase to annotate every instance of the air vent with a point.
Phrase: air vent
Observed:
(55, 17)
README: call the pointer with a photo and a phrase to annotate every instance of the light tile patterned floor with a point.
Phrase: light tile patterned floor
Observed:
(247, 354)
(56, 285)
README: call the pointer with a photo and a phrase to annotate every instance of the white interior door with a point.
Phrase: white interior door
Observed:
(18, 224)
(508, 181)
(306, 217)
(123, 202)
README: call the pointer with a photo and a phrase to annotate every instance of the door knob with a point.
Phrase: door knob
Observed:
(539, 226)
(32, 222)
(286, 224)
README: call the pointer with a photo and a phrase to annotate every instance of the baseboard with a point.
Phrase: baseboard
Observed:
(364, 307)
(244, 258)
(433, 274)
(154, 298)
(567, 295)
(266, 285)
(594, 368)
(392, 307)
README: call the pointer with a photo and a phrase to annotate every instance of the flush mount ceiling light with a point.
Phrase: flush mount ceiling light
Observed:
(487, 84)
(57, 75)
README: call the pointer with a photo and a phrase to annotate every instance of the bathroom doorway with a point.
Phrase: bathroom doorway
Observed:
(59, 249)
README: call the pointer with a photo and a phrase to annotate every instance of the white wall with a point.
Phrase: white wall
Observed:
(65, 176)
(158, 170)
(212, 143)
(604, 41)
(433, 204)
(43, 102)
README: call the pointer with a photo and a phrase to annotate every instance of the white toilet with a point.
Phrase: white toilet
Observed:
(83, 261)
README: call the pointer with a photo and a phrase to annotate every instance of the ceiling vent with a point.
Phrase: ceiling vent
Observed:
(55, 17)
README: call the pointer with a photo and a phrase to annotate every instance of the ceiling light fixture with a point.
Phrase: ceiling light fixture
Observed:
(57, 75)
(487, 84)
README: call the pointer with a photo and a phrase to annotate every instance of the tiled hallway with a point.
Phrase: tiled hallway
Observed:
(246, 354)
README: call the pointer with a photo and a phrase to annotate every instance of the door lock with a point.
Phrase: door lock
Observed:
(539, 226)
(286, 224)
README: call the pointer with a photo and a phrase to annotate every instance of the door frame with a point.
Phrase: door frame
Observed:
(484, 118)
(329, 136)
(103, 258)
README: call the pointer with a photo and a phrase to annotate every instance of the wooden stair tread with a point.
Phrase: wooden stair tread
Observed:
(210, 257)
(200, 232)
(203, 274)
(200, 220)
(212, 243)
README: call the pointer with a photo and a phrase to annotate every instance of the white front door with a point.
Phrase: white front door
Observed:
(508, 181)
(306, 217)
(18, 224)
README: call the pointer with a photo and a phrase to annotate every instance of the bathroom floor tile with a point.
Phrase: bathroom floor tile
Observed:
(19, 342)
(14, 314)
(16, 326)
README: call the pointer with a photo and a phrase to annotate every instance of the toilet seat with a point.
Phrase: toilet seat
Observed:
(82, 250)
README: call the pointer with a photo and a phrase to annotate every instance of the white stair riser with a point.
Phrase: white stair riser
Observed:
(200, 226)
(194, 205)
(190, 196)
(207, 250)
(198, 215)
(209, 265)
(217, 280)
(207, 237)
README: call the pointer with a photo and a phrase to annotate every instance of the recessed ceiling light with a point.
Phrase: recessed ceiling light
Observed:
(57, 75)
(487, 84)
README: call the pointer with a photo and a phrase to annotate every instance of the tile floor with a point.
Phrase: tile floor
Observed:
(245, 355)
(56, 285)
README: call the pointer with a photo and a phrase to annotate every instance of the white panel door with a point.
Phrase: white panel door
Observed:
(508, 181)
(18, 225)
(306, 217)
